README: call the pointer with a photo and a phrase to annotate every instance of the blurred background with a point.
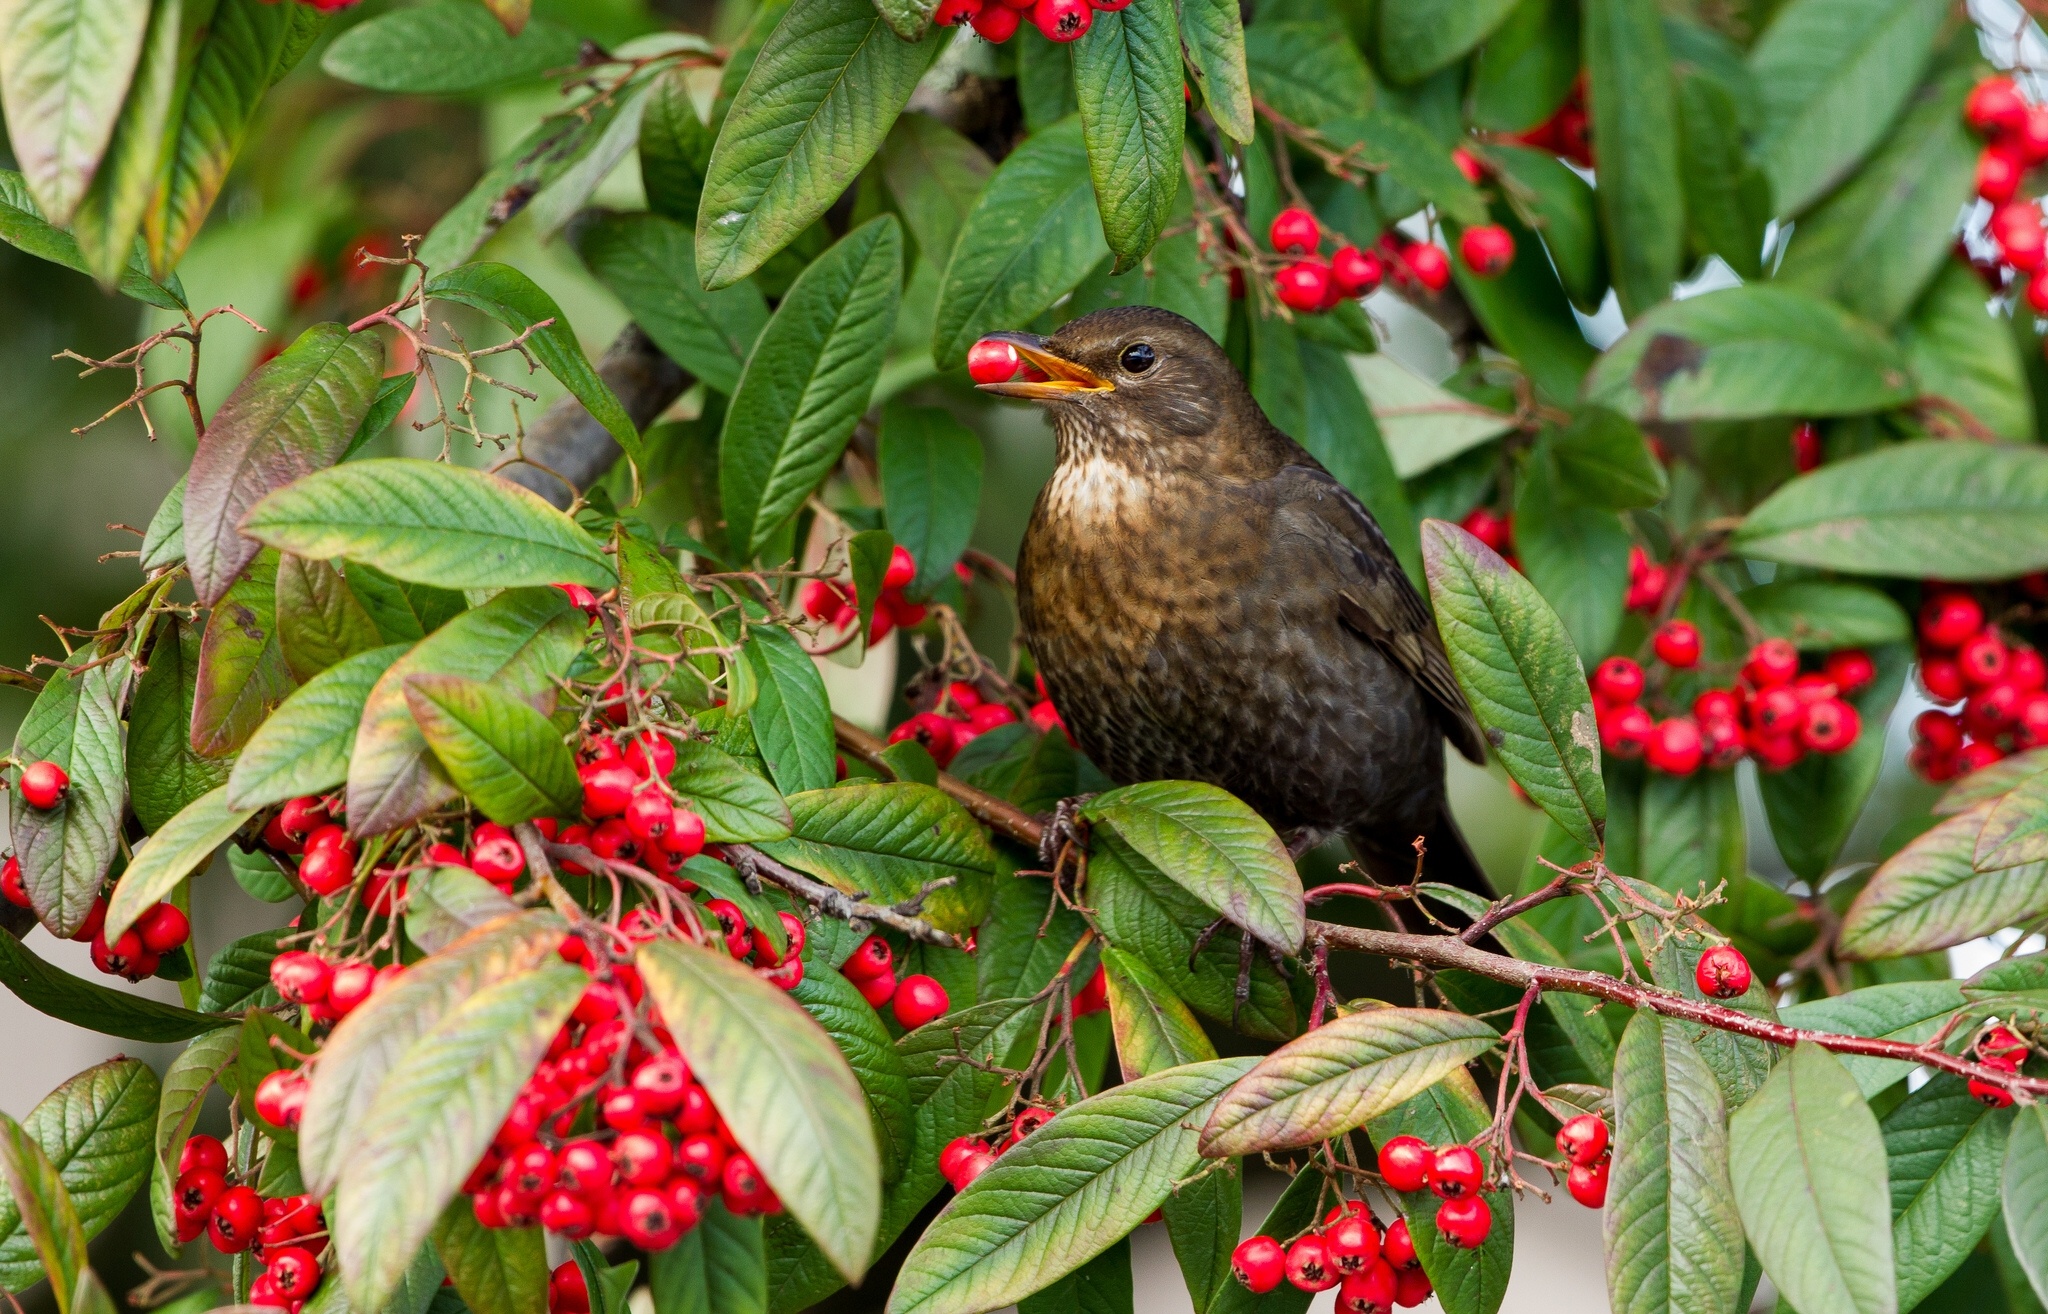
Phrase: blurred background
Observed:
(333, 172)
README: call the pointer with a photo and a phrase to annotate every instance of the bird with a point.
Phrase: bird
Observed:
(1205, 601)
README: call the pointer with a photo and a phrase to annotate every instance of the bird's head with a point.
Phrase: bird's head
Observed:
(1128, 375)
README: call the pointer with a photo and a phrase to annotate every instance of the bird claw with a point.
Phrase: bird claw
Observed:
(1242, 994)
(1063, 828)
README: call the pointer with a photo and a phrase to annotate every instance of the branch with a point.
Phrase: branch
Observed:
(1451, 952)
(836, 903)
(567, 445)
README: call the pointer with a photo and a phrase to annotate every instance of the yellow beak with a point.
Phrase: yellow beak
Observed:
(1064, 378)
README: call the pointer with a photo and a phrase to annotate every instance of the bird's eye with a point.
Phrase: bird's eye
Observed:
(1138, 358)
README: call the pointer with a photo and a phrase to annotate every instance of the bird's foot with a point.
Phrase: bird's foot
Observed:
(1064, 832)
(1242, 994)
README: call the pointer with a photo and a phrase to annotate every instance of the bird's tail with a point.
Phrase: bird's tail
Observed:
(1389, 855)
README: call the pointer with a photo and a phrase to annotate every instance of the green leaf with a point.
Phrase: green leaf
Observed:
(1216, 848)
(931, 488)
(1526, 68)
(22, 226)
(717, 1268)
(870, 553)
(443, 48)
(65, 66)
(1876, 241)
(434, 1116)
(521, 641)
(163, 542)
(1991, 782)
(2016, 830)
(1692, 832)
(431, 523)
(1527, 311)
(184, 844)
(675, 148)
(164, 774)
(1417, 38)
(1518, 668)
(319, 620)
(1033, 234)
(1410, 157)
(737, 805)
(1674, 1241)
(521, 305)
(1575, 553)
(1945, 1150)
(1954, 510)
(305, 745)
(446, 903)
(268, 1045)
(2024, 1194)
(750, 1045)
(834, 1003)
(1748, 352)
(1633, 106)
(1911, 1011)
(1340, 1075)
(807, 383)
(816, 105)
(1727, 198)
(65, 850)
(649, 263)
(554, 146)
(934, 174)
(1808, 1166)
(242, 671)
(1309, 70)
(1063, 1196)
(402, 612)
(1929, 894)
(1154, 1029)
(1833, 76)
(1127, 76)
(44, 1213)
(238, 977)
(291, 416)
(1814, 805)
(1965, 355)
(1561, 206)
(185, 1083)
(57, 993)
(1213, 37)
(110, 213)
(1606, 461)
(792, 718)
(1174, 276)
(501, 1270)
(221, 86)
(891, 840)
(508, 759)
(1823, 614)
(1100, 1286)
(360, 1054)
(94, 1132)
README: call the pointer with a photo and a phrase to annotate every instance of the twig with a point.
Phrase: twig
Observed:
(750, 861)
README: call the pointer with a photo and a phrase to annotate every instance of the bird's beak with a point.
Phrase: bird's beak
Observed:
(1064, 378)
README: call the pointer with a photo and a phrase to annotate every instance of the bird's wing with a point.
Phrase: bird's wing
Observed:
(1377, 601)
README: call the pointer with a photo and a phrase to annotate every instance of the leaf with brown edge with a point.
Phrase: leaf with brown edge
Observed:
(433, 1117)
(1929, 895)
(242, 671)
(305, 745)
(358, 1057)
(787, 1093)
(292, 415)
(183, 844)
(1154, 1029)
(45, 1211)
(1336, 1077)
(319, 620)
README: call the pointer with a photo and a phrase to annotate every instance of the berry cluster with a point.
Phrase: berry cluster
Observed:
(1454, 1173)
(630, 814)
(1373, 1270)
(915, 1000)
(2002, 686)
(2016, 140)
(2002, 1048)
(1583, 1141)
(998, 20)
(328, 991)
(1773, 712)
(960, 715)
(1313, 285)
(287, 1234)
(838, 605)
(1567, 132)
(162, 929)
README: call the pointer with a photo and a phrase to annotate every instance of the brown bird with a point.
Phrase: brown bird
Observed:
(1206, 602)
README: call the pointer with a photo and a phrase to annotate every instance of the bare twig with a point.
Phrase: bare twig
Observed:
(902, 917)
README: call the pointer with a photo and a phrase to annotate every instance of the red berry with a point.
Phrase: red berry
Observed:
(1356, 273)
(202, 1151)
(495, 855)
(301, 977)
(1259, 1263)
(938, 734)
(1303, 285)
(163, 928)
(1989, 1094)
(918, 1000)
(236, 1216)
(877, 990)
(1354, 1244)
(1368, 1291)
(300, 817)
(1722, 972)
(642, 1158)
(1062, 20)
(954, 13)
(1999, 170)
(1716, 705)
(1454, 1171)
(1807, 451)
(1943, 679)
(1465, 1221)
(1618, 681)
(1468, 164)
(956, 1154)
(607, 788)
(1982, 658)
(989, 361)
(1583, 1139)
(1772, 662)
(1398, 1246)
(11, 887)
(1678, 644)
(263, 1294)
(1404, 1163)
(742, 1179)
(1309, 1266)
(651, 755)
(2031, 718)
(1831, 726)
(1995, 106)
(294, 1270)
(568, 1216)
(1026, 1122)
(281, 1098)
(583, 1167)
(1429, 263)
(1489, 527)
(1940, 731)
(1588, 1183)
(1675, 747)
(194, 1193)
(330, 861)
(1625, 731)
(870, 960)
(43, 785)
(701, 1158)
(1294, 231)
(1487, 250)
(1094, 996)
(902, 569)
(647, 816)
(1851, 670)
(1411, 1287)
(1949, 619)
(95, 918)
(567, 1291)
(647, 1218)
